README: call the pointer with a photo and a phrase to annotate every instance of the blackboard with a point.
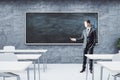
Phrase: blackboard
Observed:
(57, 28)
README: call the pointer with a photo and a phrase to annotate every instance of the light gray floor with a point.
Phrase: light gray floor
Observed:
(64, 72)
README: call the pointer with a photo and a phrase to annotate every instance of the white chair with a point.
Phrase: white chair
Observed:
(8, 57)
(9, 48)
(116, 57)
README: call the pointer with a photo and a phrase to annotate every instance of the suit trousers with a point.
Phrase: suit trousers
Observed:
(87, 51)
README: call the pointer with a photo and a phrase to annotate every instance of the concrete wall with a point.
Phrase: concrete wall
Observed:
(12, 25)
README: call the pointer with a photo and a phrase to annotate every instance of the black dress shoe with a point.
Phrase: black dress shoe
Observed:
(82, 70)
(91, 71)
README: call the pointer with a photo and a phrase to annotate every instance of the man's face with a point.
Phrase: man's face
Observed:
(86, 24)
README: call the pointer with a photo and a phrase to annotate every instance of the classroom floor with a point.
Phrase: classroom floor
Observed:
(64, 72)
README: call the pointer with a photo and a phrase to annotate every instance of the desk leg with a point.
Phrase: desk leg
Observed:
(28, 77)
(93, 71)
(34, 71)
(87, 69)
(101, 73)
(38, 68)
(3, 77)
(43, 62)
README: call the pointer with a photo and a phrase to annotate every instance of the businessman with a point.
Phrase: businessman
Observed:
(89, 39)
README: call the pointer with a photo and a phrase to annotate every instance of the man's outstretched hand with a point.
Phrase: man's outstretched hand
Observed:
(73, 39)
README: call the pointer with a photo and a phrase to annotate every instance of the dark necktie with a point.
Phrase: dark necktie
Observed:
(87, 32)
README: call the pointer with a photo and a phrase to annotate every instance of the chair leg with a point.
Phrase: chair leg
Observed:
(115, 77)
(14, 75)
(18, 77)
(108, 77)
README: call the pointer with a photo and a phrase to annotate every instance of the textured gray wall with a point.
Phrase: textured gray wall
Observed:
(12, 25)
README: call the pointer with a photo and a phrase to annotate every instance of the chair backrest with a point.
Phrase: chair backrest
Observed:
(116, 57)
(9, 48)
(8, 57)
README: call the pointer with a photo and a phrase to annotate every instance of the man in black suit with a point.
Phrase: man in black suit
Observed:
(89, 39)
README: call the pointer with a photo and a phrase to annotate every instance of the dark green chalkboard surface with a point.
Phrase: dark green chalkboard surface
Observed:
(57, 28)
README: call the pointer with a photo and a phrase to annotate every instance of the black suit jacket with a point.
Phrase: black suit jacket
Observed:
(90, 40)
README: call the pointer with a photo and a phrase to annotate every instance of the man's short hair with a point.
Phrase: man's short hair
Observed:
(88, 21)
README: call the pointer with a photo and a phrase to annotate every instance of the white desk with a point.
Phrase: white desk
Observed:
(28, 57)
(26, 50)
(100, 56)
(14, 66)
(96, 57)
(31, 57)
(112, 66)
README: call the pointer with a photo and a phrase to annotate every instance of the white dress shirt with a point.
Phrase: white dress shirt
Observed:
(88, 30)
